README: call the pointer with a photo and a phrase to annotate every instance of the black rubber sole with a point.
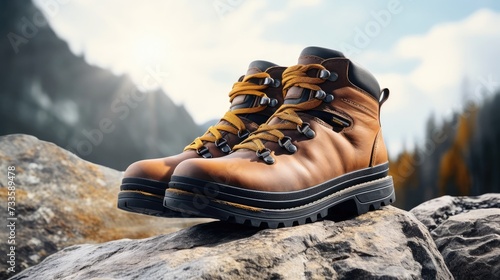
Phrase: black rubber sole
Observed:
(147, 204)
(145, 196)
(354, 200)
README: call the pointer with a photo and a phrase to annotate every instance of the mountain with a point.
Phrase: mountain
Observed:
(55, 95)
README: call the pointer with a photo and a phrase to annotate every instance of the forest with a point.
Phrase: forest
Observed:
(460, 156)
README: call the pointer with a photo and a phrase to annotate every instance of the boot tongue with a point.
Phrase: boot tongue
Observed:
(309, 55)
(247, 101)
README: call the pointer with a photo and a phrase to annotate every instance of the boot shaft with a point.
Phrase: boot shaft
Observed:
(351, 100)
(346, 87)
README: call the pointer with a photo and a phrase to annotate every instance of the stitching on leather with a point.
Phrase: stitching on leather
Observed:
(350, 102)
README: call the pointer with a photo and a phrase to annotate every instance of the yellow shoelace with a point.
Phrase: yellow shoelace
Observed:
(235, 124)
(293, 76)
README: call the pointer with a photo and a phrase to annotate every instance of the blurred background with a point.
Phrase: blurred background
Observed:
(118, 81)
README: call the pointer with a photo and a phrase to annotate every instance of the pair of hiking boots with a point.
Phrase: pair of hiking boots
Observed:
(298, 144)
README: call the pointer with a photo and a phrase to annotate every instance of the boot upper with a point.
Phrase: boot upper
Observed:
(328, 126)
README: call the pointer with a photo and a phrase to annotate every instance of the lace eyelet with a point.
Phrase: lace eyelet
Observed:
(243, 133)
(266, 101)
(277, 83)
(222, 145)
(329, 98)
(327, 75)
(320, 94)
(333, 76)
(268, 81)
(203, 151)
(265, 154)
(291, 148)
(324, 74)
(305, 129)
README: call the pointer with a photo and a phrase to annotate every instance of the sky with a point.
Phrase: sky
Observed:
(432, 55)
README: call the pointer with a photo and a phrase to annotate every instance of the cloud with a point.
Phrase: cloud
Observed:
(444, 56)
(203, 46)
(451, 51)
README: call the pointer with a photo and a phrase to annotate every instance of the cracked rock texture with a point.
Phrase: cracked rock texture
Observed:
(466, 231)
(62, 200)
(384, 244)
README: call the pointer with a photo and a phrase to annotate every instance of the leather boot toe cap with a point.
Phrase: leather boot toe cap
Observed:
(153, 169)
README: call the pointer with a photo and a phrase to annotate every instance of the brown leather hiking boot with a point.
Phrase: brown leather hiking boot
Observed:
(254, 98)
(321, 153)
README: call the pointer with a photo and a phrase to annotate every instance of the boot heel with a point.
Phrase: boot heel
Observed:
(380, 193)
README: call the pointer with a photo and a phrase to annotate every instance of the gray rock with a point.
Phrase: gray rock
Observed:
(62, 200)
(466, 231)
(383, 244)
(434, 212)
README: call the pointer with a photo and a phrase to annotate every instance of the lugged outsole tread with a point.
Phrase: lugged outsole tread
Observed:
(145, 204)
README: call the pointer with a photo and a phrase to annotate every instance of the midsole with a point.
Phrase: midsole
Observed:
(276, 200)
(125, 192)
(378, 190)
(147, 186)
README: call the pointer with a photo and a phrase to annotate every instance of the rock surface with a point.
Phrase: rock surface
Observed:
(384, 244)
(466, 231)
(62, 200)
